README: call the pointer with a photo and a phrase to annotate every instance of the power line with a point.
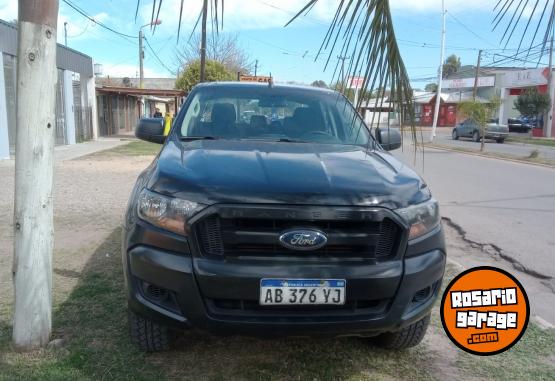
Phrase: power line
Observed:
(83, 13)
(467, 28)
(158, 58)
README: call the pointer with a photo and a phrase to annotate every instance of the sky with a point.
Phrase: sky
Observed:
(285, 52)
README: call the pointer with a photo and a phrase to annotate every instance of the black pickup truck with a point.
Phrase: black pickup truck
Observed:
(296, 223)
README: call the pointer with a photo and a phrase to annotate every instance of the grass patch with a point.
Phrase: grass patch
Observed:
(133, 148)
(528, 140)
(92, 322)
(533, 158)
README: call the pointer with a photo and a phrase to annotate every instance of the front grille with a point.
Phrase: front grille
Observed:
(237, 237)
(230, 307)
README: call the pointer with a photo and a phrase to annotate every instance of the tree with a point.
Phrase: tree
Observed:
(222, 48)
(319, 83)
(480, 113)
(531, 103)
(215, 71)
(451, 66)
(431, 87)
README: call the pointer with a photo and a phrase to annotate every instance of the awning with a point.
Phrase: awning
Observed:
(140, 92)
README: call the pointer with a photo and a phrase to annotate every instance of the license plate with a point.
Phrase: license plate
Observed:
(302, 291)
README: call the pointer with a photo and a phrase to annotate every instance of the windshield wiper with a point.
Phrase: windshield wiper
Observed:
(191, 138)
(287, 140)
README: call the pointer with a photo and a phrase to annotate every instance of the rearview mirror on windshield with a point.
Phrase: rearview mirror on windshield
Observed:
(389, 138)
(151, 130)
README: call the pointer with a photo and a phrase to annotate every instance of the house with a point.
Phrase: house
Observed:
(75, 94)
(121, 103)
(507, 83)
(378, 112)
(424, 107)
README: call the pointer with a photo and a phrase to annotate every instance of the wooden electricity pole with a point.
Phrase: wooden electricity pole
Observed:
(33, 217)
(477, 75)
(203, 42)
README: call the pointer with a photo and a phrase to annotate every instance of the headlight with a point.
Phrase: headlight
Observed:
(421, 218)
(166, 212)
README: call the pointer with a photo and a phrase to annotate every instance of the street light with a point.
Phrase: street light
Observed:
(142, 57)
(141, 50)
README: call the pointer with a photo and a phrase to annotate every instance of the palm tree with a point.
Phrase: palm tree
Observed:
(361, 29)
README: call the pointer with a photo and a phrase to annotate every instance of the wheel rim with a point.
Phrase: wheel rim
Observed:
(454, 134)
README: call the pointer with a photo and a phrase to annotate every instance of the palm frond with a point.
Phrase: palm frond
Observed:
(157, 17)
(509, 15)
(216, 13)
(363, 31)
(137, 10)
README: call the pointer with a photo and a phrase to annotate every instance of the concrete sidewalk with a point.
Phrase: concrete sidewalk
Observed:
(74, 151)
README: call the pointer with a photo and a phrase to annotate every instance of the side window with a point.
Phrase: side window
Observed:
(193, 113)
(352, 129)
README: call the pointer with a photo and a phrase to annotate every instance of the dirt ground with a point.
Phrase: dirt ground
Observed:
(90, 196)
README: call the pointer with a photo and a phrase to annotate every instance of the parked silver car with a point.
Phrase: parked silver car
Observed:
(470, 129)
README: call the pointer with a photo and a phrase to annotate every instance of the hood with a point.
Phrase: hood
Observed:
(227, 171)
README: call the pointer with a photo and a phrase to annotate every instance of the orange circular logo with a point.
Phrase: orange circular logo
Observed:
(485, 310)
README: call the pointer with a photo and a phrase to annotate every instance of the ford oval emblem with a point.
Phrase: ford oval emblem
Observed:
(303, 239)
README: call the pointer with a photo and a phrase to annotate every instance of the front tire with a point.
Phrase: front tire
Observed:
(408, 337)
(476, 136)
(455, 135)
(147, 335)
(500, 141)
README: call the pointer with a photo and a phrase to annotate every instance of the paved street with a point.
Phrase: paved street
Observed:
(443, 137)
(510, 206)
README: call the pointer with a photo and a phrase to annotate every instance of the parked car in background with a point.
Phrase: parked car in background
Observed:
(523, 124)
(470, 129)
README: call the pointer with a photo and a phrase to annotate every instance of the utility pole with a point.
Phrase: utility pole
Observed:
(65, 32)
(440, 72)
(548, 124)
(141, 58)
(141, 70)
(33, 210)
(477, 74)
(255, 68)
(342, 73)
(203, 42)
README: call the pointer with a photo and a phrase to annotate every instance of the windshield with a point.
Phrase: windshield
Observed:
(275, 114)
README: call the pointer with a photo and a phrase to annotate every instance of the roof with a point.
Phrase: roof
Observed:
(66, 58)
(232, 84)
(139, 92)
(148, 83)
(451, 97)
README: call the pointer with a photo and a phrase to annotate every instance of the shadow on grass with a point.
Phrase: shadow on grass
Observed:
(92, 321)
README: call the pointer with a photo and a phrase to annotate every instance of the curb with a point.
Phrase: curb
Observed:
(490, 157)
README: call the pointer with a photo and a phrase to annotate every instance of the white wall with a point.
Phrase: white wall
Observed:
(68, 107)
(4, 138)
(91, 100)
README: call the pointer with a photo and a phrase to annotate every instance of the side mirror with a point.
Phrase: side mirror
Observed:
(151, 130)
(389, 138)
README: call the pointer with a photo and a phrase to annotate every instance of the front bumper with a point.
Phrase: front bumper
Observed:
(197, 285)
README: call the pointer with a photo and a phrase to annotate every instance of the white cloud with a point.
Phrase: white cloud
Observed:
(239, 14)
(8, 10)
